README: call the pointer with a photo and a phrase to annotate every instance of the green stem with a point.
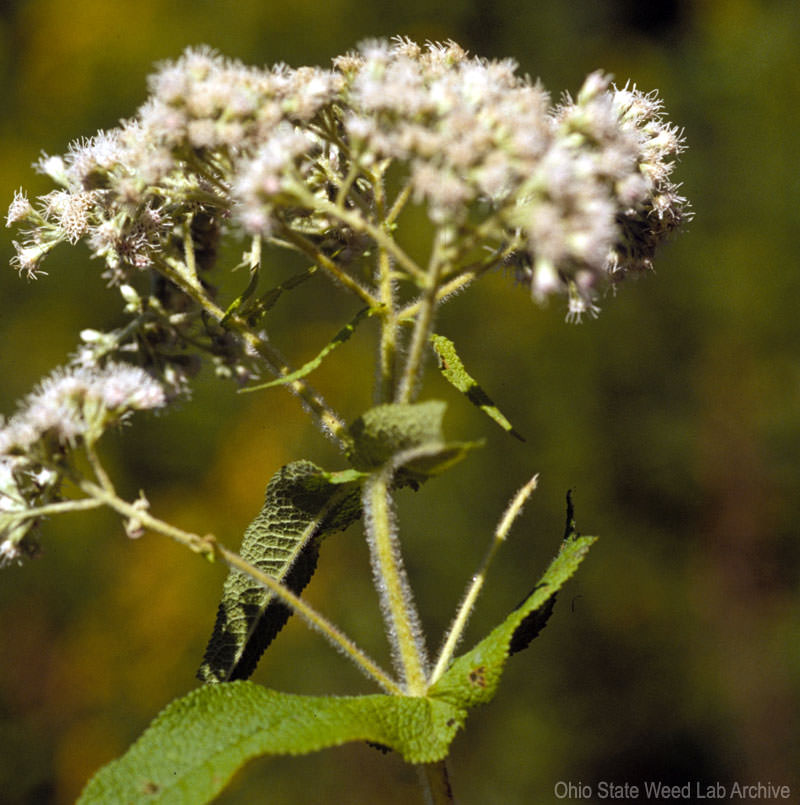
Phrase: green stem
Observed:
(456, 630)
(98, 469)
(323, 261)
(209, 547)
(46, 509)
(387, 352)
(360, 224)
(423, 325)
(315, 620)
(329, 420)
(399, 613)
(463, 279)
(435, 781)
(399, 203)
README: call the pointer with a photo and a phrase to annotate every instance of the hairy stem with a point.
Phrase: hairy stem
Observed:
(423, 325)
(456, 630)
(358, 223)
(391, 581)
(329, 420)
(323, 261)
(98, 469)
(387, 352)
(210, 547)
(47, 509)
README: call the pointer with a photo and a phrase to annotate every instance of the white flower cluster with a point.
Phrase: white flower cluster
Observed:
(583, 188)
(575, 196)
(71, 405)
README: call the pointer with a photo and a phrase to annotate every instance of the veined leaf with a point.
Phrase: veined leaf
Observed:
(191, 750)
(473, 677)
(302, 505)
(340, 337)
(407, 434)
(382, 432)
(454, 372)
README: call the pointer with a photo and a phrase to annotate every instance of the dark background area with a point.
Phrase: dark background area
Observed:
(674, 655)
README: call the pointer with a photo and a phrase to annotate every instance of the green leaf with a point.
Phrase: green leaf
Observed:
(243, 296)
(454, 372)
(255, 311)
(303, 504)
(340, 337)
(408, 435)
(193, 748)
(382, 432)
(473, 677)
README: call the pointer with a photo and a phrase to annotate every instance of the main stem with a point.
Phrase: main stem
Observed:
(435, 780)
(397, 604)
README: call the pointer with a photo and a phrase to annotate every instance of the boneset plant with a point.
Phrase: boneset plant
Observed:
(566, 199)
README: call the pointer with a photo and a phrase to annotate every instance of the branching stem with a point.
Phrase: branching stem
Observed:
(331, 422)
(210, 547)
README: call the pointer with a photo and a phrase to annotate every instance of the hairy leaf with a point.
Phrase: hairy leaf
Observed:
(473, 677)
(306, 369)
(386, 430)
(410, 436)
(191, 750)
(302, 505)
(454, 372)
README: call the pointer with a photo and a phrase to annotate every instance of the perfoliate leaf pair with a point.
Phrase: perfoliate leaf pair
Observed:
(194, 747)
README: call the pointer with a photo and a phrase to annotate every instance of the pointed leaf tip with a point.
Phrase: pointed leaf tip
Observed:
(473, 677)
(453, 370)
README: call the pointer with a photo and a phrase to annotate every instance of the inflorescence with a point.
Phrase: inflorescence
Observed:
(573, 196)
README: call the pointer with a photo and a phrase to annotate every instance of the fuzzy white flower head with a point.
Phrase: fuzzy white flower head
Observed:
(79, 402)
(19, 209)
(21, 486)
(10, 553)
(580, 194)
(127, 388)
(55, 167)
(29, 256)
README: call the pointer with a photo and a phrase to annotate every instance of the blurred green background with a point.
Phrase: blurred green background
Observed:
(675, 653)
